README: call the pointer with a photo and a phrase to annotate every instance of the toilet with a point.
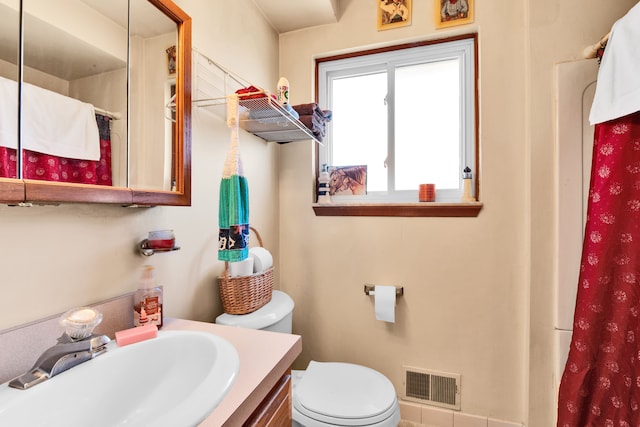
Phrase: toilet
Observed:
(326, 393)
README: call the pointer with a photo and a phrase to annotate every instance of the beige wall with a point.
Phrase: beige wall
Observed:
(478, 292)
(56, 257)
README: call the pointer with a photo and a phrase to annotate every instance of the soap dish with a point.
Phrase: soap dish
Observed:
(146, 250)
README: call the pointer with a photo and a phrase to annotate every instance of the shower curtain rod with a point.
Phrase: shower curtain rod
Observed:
(114, 116)
(590, 51)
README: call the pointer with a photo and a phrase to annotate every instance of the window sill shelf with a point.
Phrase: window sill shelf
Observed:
(428, 209)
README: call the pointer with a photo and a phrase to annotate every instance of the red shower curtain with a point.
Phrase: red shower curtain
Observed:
(46, 167)
(601, 382)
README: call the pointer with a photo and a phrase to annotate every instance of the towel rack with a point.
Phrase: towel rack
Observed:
(591, 51)
(264, 116)
(114, 116)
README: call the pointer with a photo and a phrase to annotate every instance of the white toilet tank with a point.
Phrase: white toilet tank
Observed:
(274, 316)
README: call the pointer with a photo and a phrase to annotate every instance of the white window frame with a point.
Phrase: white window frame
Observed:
(464, 50)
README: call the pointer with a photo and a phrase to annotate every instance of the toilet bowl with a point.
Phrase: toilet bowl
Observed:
(326, 393)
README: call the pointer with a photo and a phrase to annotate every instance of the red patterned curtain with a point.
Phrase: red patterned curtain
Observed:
(46, 167)
(601, 382)
(8, 163)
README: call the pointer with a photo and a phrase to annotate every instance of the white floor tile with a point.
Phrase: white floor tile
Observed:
(437, 417)
(465, 420)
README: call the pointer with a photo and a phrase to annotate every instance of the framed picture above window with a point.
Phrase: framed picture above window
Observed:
(453, 12)
(393, 13)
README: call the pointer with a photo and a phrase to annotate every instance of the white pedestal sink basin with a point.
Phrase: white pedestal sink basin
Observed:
(175, 379)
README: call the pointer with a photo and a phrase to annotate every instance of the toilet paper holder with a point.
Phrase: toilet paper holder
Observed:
(370, 290)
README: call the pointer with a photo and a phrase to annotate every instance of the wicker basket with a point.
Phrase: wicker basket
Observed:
(245, 294)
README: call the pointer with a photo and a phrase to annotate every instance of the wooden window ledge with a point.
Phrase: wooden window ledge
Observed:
(426, 209)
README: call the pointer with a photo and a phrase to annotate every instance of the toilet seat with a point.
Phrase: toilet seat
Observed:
(346, 395)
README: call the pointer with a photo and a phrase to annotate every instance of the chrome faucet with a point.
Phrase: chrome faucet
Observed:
(66, 354)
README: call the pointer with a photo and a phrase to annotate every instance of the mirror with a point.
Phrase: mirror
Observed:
(9, 55)
(152, 44)
(115, 79)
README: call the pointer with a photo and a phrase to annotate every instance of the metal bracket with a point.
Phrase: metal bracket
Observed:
(371, 290)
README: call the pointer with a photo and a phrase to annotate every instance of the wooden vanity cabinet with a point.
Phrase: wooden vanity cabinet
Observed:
(275, 409)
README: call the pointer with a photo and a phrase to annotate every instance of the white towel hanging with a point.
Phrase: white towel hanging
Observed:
(618, 89)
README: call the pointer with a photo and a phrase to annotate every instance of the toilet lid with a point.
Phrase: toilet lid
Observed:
(342, 391)
(274, 311)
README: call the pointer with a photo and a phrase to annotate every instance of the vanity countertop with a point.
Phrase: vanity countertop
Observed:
(264, 358)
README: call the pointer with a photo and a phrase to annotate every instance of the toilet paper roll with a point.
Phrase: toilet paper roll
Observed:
(385, 303)
(262, 259)
(241, 268)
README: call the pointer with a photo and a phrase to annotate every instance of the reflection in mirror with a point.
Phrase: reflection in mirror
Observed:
(153, 40)
(76, 62)
(74, 93)
(9, 52)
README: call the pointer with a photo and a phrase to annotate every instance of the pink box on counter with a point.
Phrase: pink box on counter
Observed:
(134, 335)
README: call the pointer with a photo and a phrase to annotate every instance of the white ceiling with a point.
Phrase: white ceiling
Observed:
(146, 20)
(55, 51)
(290, 15)
(79, 57)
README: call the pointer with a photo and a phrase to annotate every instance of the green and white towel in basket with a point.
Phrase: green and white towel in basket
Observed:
(233, 213)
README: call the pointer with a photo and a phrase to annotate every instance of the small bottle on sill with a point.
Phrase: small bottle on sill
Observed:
(466, 189)
(323, 186)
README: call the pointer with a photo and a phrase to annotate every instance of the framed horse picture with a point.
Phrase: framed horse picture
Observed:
(348, 180)
(453, 12)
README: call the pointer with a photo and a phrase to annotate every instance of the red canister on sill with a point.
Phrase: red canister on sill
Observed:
(427, 193)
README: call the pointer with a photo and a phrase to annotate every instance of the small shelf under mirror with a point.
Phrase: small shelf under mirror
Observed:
(145, 250)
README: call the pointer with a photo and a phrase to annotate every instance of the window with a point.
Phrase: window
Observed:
(407, 113)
